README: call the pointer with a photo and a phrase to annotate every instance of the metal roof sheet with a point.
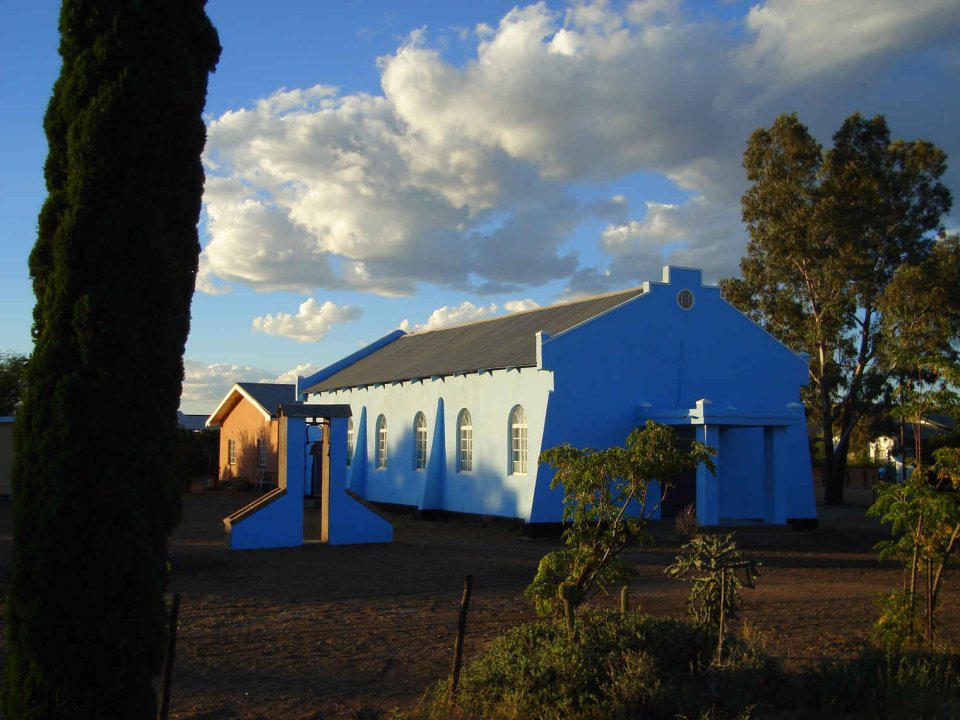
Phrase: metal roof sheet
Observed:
(502, 342)
(270, 395)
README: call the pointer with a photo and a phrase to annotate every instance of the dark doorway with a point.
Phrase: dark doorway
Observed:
(683, 487)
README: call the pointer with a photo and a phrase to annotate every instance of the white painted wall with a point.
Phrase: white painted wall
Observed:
(490, 488)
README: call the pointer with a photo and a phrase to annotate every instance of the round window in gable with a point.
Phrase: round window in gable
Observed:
(685, 299)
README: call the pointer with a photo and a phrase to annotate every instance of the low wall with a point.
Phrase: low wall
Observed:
(858, 487)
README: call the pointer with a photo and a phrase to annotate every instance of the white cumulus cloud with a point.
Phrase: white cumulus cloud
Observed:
(206, 385)
(466, 312)
(514, 306)
(301, 370)
(471, 176)
(311, 323)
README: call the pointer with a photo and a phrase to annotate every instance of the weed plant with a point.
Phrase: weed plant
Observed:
(884, 685)
(618, 666)
(621, 667)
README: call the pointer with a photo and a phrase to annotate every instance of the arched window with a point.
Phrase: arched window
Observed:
(381, 460)
(518, 441)
(465, 441)
(419, 442)
(349, 441)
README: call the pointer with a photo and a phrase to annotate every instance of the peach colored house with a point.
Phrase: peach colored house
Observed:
(247, 418)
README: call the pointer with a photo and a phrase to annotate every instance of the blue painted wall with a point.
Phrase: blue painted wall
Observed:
(279, 521)
(593, 383)
(650, 352)
(349, 522)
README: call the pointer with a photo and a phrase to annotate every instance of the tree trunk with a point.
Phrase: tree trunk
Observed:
(834, 460)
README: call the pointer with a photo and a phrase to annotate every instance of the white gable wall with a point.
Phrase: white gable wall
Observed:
(490, 488)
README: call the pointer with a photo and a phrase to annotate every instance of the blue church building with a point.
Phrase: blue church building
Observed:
(454, 419)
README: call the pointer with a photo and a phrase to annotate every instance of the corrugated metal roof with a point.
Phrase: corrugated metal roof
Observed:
(502, 342)
(270, 395)
(191, 422)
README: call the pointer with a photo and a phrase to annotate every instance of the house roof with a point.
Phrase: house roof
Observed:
(266, 397)
(502, 342)
(191, 422)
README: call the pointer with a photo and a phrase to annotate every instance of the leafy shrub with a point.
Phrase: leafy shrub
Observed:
(606, 506)
(640, 666)
(619, 666)
(884, 685)
(718, 571)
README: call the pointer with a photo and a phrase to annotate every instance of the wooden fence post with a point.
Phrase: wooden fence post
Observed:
(624, 599)
(168, 660)
(461, 630)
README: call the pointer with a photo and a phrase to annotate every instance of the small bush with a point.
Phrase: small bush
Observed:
(620, 666)
(884, 685)
(900, 621)
(717, 571)
(685, 524)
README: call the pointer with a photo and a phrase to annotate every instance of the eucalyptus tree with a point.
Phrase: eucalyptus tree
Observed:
(920, 324)
(113, 271)
(828, 230)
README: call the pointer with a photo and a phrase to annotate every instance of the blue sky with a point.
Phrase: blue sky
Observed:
(373, 165)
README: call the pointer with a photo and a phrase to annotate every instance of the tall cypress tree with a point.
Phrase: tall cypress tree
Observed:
(113, 270)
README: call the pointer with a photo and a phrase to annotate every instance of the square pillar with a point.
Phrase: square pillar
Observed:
(774, 475)
(334, 483)
(292, 434)
(708, 485)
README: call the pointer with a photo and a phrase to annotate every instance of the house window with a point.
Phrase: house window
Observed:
(349, 440)
(518, 441)
(381, 462)
(420, 441)
(261, 452)
(465, 441)
(231, 452)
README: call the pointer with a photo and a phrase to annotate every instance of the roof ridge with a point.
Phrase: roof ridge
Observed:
(589, 298)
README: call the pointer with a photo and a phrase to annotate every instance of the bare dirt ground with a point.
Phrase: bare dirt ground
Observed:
(321, 632)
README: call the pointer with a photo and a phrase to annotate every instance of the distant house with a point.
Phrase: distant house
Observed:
(455, 419)
(247, 418)
(193, 423)
(6, 455)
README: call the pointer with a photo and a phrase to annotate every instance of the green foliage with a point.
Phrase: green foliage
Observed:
(717, 571)
(921, 324)
(923, 513)
(640, 666)
(13, 377)
(196, 455)
(113, 271)
(618, 667)
(605, 502)
(899, 622)
(882, 685)
(829, 230)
